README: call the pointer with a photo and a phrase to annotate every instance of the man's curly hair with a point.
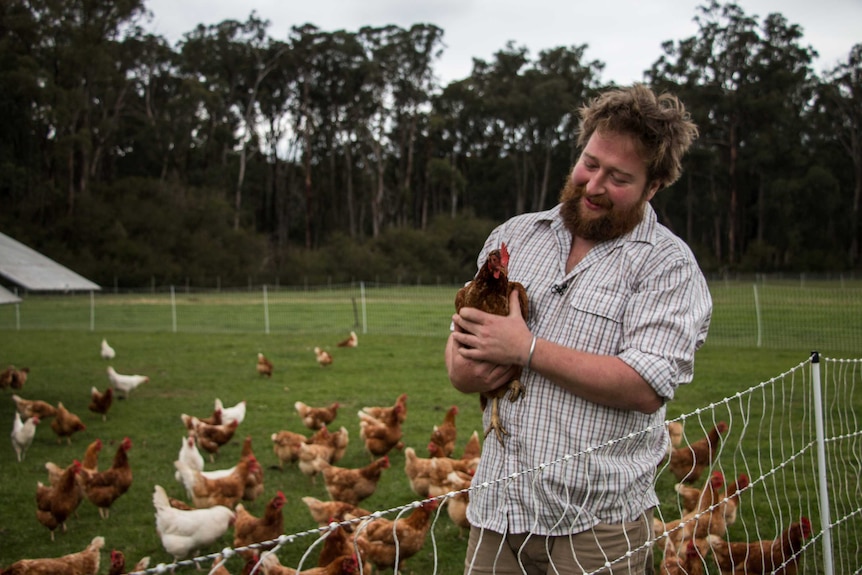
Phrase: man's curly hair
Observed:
(659, 123)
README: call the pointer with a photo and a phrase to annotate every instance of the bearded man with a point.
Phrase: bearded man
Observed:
(617, 308)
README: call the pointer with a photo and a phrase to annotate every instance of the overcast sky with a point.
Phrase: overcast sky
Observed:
(625, 35)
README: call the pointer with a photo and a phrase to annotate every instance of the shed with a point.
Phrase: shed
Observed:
(25, 267)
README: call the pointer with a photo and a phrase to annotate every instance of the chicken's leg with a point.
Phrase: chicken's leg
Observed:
(515, 391)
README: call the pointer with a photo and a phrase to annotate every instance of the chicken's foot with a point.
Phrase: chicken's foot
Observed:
(515, 390)
(496, 424)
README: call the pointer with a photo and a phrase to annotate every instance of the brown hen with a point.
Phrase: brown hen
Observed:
(105, 487)
(777, 556)
(489, 292)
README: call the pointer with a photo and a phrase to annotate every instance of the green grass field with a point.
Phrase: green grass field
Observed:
(189, 370)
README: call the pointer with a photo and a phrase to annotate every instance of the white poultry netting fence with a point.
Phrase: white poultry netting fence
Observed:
(796, 438)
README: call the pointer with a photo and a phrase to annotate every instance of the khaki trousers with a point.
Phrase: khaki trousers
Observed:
(489, 552)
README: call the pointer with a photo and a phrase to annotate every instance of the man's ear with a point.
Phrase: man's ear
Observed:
(652, 189)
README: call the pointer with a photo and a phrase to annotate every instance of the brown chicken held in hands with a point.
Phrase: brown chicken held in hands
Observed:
(66, 424)
(489, 292)
(84, 562)
(776, 556)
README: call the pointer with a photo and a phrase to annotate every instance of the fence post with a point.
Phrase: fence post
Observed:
(265, 311)
(364, 309)
(92, 311)
(17, 312)
(825, 518)
(173, 309)
(757, 315)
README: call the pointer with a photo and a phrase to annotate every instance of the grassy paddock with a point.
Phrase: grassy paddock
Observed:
(189, 370)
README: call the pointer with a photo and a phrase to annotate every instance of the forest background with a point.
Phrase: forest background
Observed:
(235, 157)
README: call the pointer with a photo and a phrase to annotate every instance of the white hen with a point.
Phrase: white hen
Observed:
(22, 434)
(125, 383)
(230, 414)
(184, 532)
(107, 351)
(190, 455)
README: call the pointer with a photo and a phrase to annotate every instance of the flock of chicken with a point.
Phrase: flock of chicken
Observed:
(708, 511)
(359, 542)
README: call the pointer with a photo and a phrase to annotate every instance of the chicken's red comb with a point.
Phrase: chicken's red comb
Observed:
(504, 254)
(806, 527)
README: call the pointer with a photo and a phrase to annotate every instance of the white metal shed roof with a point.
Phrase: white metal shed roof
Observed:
(8, 297)
(33, 271)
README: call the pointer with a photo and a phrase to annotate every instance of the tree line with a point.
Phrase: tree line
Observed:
(339, 154)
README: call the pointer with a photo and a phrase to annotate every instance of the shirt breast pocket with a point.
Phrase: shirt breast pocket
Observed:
(598, 318)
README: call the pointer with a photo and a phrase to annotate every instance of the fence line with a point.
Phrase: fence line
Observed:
(774, 315)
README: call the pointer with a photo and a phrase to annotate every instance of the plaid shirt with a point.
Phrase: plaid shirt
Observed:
(640, 297)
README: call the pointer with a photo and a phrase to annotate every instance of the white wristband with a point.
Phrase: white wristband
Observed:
(530, 356)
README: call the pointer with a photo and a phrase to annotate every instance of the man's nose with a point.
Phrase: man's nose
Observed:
(595, 185)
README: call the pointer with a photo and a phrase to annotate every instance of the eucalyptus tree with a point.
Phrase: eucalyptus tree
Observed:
(559, 82)
(457, 134)
(839, 106)
(228, 61)
(82, 75)
(506, 105)
(376, 42)
(520, 116)
(309, 47)
(155, 129)
(746, 85)
(410, 57)
(341, 101)
(20, 96)
(277, 102)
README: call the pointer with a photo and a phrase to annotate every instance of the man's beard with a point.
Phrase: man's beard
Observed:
(612, 224)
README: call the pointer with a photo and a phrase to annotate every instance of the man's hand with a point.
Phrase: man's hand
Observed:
(502, 340)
